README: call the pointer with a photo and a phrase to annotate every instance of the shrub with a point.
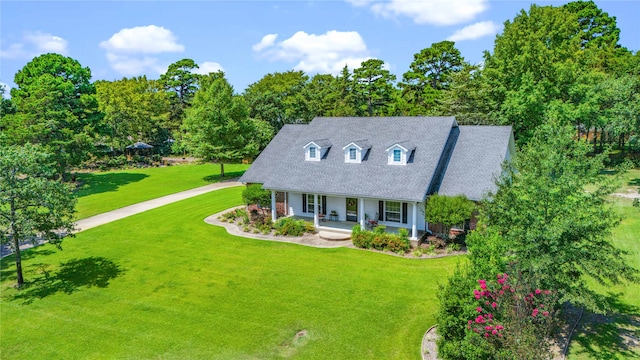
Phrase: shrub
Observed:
(380, 240)
(291, 227)
(255, 194)
(636, 203)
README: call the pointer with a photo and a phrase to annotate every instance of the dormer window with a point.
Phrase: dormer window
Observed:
(400, 153)
(397, 155)
(356, 152)
(316, 150)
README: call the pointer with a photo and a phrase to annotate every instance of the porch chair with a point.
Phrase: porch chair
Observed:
(371, 223)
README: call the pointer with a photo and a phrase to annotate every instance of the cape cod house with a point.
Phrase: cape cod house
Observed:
(378, 168)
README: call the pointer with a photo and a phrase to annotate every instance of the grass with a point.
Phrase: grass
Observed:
(163, 284)
(614, 336)
(106, 191)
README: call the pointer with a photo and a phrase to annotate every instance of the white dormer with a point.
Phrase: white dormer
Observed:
(316, 150)
(356, 151)
(400, 153)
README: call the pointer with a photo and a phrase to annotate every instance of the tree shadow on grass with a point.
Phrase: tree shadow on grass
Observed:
(8, 263)
(227, 176)
(634, 182)
(610, 336)
(72, 276)
(105, 182)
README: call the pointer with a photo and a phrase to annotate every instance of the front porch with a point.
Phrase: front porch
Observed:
(347, 226)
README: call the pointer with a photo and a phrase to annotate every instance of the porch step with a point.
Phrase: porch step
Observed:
(334, 236)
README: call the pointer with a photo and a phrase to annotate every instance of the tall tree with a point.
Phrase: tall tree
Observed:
(217, 126)
(467, 98)
(56, 107)
(182, 84)
(555, 230)
(134, 109)
(33, 207)
(373, 86)
(278, 98)
(342, 100)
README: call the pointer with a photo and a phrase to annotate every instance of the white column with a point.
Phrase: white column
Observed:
(316, 220)
(286, 204)
(361, 211)
(274, 212)
(414, 227)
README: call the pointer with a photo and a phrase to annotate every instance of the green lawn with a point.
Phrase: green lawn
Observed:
(163, 284)
(612, 337)
(106, 191)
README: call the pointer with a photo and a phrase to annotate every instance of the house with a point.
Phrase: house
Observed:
(381, 168)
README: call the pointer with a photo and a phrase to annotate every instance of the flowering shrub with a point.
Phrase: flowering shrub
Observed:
(380, 240)
(513, 317)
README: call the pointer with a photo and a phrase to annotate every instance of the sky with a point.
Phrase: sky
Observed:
(249, 39)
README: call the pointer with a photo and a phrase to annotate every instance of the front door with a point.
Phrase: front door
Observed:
(352, 209)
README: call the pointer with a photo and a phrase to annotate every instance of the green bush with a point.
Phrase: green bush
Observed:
(291, 227)
(380, 240)
(255, 194)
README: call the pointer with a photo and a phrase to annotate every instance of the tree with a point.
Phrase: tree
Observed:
(448, 211)
(429, 74)
(6, 105)
(181, 83)
(217, 127)
(278, 98)
(597, 28)
(134, 109)
(342, 100)
(555, 230)
(467, 98)
(373, 86)
(32, 206)
(56, 107)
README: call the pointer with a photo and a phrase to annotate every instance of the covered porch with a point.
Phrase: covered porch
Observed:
(341, 213)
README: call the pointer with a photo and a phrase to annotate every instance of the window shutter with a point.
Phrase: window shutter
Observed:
(304, 202)
(324, 205)
(404, 213)
(381, 210)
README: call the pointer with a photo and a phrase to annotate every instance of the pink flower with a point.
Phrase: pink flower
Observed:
(494, 305)
(547, 292)
(483, 286)
(499, 334)
(545, 313)
(499, 327)
(534, 312)
(469, 322)
(494, 332)
(479, 309)
(488, 328)
(501, 292)
(486, 334)
(486, 303)
(538, 291)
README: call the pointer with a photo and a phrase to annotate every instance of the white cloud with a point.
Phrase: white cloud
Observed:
(434, 12)
(324, 53)
(475, 31)
(132, 66)
(148, 39)
(267, 41)
(131, 51)
(208, 67)
(33, 44)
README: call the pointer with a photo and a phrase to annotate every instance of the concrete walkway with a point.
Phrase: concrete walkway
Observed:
(126, 211)
(104, 218)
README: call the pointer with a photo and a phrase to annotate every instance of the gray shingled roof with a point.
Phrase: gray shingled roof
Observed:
(281, 166)
(476, 161)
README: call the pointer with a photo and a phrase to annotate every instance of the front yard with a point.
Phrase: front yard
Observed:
(163, 284)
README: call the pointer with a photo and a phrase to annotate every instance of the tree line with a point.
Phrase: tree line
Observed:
(561, 61)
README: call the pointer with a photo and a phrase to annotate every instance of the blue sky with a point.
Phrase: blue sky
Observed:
(249, 39)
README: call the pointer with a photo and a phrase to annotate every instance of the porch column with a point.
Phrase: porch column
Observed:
(316, 220)
(361, 209)
(274, 211)
(414, 227)
(286, 204)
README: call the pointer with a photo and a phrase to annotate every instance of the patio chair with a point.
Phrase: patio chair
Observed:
(371, 223)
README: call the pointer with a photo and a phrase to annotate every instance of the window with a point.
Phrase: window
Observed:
(392, 211)
(312, 152)
(397, 153)
(352, 154)
(307, 204)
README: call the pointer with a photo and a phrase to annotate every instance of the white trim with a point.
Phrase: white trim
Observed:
(274, 212)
